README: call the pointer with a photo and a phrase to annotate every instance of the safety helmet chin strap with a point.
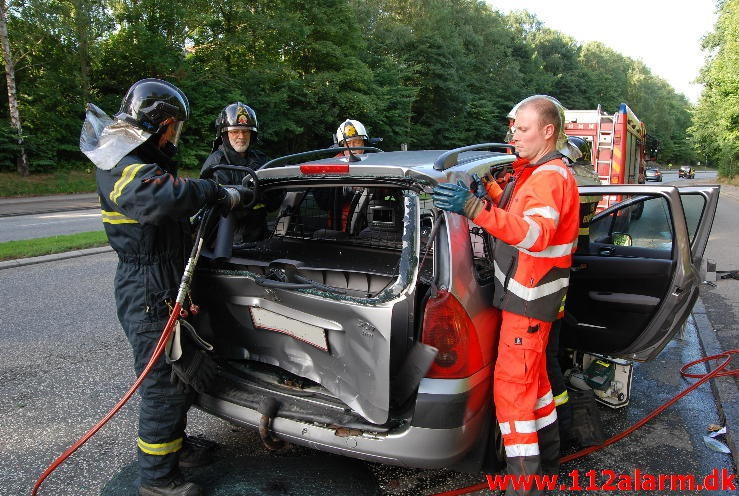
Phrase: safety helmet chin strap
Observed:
(352, 156)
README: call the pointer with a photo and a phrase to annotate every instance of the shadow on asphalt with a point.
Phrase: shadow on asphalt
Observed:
(260, 476)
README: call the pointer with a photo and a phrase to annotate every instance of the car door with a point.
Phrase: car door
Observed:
(633, 287)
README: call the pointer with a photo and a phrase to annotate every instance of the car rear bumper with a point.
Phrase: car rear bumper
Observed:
(408, 445)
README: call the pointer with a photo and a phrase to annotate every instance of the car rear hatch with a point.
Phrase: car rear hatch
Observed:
(329, 293)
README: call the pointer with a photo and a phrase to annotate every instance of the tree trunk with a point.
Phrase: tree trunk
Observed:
(15, 118)
(81, 24)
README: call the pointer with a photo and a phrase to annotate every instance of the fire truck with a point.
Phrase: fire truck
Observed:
(621, 146)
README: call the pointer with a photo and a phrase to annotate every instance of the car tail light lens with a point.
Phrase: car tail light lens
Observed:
(309, 169)
(447, 327)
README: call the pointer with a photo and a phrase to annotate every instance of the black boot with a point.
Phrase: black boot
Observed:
(174, 488)
(196, 452)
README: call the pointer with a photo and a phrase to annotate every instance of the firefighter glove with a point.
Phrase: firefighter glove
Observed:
(232, 196)
(192, 364)
(457, 198)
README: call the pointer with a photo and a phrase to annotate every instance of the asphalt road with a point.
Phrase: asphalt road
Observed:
(64, 362)
(49, 224)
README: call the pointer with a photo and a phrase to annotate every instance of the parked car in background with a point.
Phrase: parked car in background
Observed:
(653, 174)
(362, 323)
(686, 172)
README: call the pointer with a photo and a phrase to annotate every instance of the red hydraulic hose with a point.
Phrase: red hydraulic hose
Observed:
(720, 371)
(154, 357)
(158, 349)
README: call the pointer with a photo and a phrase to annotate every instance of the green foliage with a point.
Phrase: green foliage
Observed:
(715, 131)
(73, 178)
(36, 247)
(430, 73)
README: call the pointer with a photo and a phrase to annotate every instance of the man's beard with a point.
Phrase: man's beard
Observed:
(239, 148)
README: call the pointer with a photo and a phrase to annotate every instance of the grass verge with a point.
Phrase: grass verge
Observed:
(60, 182)
(11, 250)
(68, 181)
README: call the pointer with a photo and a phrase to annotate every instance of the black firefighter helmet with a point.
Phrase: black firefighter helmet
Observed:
(237, 115)
(583, 145)
(152, 104)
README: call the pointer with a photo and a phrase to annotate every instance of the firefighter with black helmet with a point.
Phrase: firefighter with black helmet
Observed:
(145, 212)
(236, 133)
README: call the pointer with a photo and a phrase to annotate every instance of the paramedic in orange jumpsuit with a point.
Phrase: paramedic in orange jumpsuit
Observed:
(535, 235)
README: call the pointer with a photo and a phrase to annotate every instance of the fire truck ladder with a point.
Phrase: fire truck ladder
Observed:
(604, 159)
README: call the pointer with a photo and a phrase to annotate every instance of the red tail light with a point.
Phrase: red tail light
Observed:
(447, 327)
(324, 168)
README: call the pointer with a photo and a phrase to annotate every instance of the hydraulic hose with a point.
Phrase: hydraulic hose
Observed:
(158, 349)
(720, 371)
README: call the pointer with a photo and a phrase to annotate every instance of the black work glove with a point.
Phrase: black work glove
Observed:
(231, 197)
(191, 360)
(477, 186)
(196, 370)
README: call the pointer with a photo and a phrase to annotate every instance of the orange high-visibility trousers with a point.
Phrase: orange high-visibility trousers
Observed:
(524, 404)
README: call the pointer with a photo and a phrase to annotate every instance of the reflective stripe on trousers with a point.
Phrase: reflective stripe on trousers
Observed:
(524, 403)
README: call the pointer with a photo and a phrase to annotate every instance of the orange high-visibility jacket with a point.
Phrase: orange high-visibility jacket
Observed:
(536, 234)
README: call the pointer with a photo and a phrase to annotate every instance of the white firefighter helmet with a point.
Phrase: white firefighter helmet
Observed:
(561, 139)
(350, 129)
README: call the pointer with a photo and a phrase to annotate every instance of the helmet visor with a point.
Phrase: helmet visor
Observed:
(175, 129)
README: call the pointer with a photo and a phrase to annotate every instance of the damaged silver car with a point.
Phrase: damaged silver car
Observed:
(361, 323)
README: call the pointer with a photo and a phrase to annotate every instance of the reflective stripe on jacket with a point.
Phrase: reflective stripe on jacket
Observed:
(535, 235)
(146, 214)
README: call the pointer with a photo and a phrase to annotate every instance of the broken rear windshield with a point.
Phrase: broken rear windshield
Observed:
(362, 239)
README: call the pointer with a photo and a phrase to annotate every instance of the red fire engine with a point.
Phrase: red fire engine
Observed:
(619, 144)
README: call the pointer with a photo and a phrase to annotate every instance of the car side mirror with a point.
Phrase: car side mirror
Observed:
(622, 239)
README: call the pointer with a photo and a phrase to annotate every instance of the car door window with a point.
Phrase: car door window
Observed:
(642, 223)
(693, 205)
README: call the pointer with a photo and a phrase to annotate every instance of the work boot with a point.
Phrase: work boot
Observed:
(196, 452)
(177, 487)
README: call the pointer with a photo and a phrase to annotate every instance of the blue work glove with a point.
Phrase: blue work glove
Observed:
(457, 198)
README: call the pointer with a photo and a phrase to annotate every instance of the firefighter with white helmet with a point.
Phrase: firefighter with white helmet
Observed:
(351, 133)
(535, 230)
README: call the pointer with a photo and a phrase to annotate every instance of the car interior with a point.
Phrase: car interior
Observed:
(618, 282)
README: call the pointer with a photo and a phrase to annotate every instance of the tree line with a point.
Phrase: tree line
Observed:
(715, 127)
(429, 73)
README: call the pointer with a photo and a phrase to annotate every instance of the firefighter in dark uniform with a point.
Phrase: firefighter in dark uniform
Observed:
(145, 211)
(236, 133)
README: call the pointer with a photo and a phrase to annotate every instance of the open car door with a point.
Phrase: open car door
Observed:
(635, 284)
